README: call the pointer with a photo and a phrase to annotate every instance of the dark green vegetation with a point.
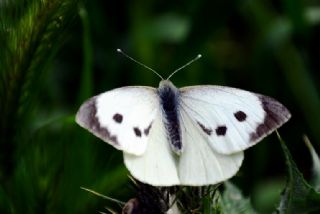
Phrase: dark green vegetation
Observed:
(55, 54)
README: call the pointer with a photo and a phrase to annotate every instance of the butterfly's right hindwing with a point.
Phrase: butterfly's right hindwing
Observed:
(122, 117)
(199, 163)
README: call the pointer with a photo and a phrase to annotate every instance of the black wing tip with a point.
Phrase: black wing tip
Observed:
(86, 115)
(276, 115)
(86, 118)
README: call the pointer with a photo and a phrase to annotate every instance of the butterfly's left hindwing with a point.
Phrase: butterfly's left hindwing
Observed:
(158, 165)
(231, 119)
(122, 117)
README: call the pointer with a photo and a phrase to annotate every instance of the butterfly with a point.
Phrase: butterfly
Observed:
(191, 136)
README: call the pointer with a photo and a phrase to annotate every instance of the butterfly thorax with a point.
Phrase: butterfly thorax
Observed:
(169, 100)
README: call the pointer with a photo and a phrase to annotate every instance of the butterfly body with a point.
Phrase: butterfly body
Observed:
(169, 97)
(189, 136)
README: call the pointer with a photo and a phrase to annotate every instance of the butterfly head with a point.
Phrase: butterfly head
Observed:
(166, 84)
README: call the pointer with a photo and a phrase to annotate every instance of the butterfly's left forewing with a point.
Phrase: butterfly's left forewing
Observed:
(123, 117)
(231, 119)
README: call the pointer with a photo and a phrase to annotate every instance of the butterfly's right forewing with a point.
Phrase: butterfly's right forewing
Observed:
(230, 119)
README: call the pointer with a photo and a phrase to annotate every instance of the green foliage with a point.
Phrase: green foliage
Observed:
(234, 202)
(42, 166)
(266, 194)
(30, 32)
(316, 164)
(298, 196)
(87, 71)
(198, 199)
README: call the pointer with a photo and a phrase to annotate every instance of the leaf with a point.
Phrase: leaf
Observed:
(233, 202)
(31, 32)
(298, 196)
(87, 71)
(103, 196)
(204, 199)
(266, 194)
(316, 164)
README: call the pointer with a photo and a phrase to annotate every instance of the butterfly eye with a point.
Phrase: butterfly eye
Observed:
(240, 116)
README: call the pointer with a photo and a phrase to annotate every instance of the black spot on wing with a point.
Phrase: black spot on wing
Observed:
(137, 131)
(221, 130)
(87, 118)
(118, 118)
(147, 130)
(240, 116)
(275, 115)
(208, 131)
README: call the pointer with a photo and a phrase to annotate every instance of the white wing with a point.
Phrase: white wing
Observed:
(198, 164)
(217, 123)
(122, 117)
(229, 119)
(158, 165)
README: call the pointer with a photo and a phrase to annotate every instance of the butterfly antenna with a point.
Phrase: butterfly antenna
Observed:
(182, 67)
(143, 65)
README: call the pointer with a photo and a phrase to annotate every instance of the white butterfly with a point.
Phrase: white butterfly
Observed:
(190, 136)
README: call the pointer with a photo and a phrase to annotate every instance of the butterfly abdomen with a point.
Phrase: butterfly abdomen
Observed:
(169, 96)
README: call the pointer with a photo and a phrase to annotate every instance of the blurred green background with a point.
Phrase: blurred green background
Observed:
(56, 54)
